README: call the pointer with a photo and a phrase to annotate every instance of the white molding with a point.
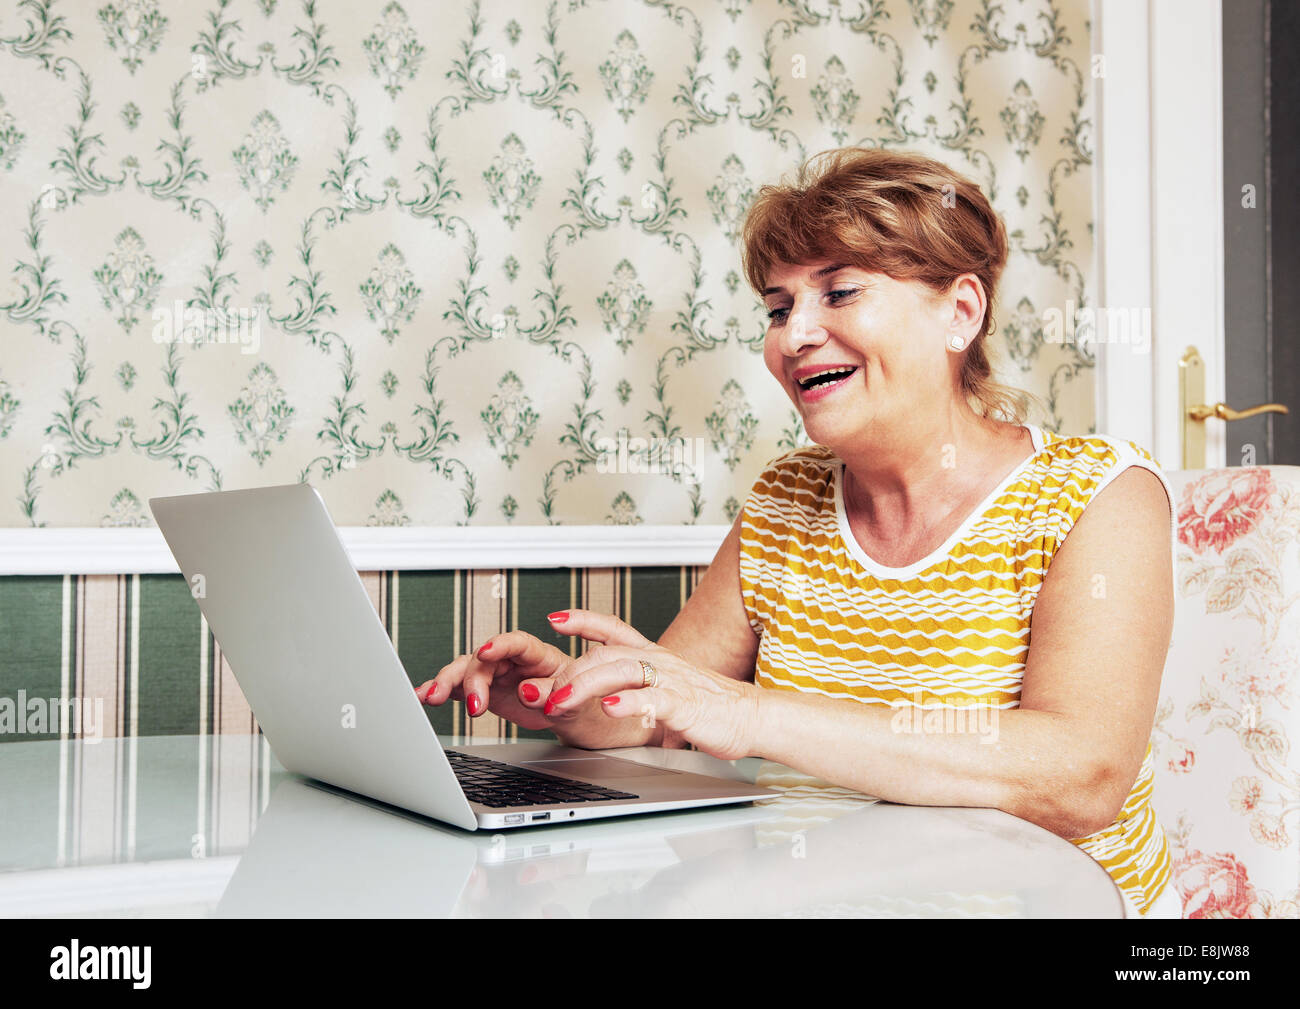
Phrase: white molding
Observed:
(1122, 211)
(1159, 211)
(93, 551)
(1187, 188)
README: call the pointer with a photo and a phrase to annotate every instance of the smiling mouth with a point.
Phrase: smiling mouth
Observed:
(829, 378)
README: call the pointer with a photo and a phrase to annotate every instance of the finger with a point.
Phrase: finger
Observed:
(606, 673)
(526, 666)
(535, 691)
(520, 647)
(443, 687)
(454, 683)
(605, 654)
(603, 627)
(477, 684)
(654, 702)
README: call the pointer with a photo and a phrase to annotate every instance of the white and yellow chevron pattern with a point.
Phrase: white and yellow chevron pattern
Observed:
(948, 631)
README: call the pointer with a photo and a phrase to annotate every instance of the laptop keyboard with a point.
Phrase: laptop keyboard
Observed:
(492, 783)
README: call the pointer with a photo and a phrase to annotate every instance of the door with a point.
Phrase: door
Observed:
(1185, 169)
(1261, 124)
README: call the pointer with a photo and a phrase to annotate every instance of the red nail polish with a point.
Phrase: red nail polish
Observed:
(484, 648)
(562, 694)
(550, 706)
(609, 701)
(475, 705)
(530, 692)
(559, 616)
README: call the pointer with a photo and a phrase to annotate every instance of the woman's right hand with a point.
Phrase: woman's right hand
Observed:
(512, 675)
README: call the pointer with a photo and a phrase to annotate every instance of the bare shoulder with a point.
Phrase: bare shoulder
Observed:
(1133, 507)
(1125, 527)
(1114, 571)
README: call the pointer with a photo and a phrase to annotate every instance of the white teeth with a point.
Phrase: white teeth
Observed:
(829, 371)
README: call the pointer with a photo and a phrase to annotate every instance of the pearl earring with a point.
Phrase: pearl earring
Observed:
(956, 343)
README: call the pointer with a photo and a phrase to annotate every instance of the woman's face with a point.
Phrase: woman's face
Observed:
(893, 334)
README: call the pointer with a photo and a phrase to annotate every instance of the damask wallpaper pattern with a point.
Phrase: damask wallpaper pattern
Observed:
(474, 262)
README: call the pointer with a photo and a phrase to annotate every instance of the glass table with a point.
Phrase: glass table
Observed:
(214, 826)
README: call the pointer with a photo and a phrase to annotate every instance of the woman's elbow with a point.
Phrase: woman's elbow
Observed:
(1078, 804)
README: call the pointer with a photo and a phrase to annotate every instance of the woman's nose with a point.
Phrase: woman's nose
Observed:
(802, 329)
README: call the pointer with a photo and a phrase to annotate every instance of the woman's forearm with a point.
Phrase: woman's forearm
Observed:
(1028, 763)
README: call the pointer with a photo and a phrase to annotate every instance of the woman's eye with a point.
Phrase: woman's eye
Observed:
(778, 314)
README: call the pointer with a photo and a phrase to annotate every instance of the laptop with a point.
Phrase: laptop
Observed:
(272, 578)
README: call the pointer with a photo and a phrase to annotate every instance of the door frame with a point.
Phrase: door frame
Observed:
(1159, 213)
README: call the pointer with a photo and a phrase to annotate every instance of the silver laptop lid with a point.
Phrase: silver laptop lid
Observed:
(274, 581)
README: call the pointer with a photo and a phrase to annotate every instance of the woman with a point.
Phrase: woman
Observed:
(885, 580)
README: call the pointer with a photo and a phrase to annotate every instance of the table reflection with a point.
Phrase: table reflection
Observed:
(812, 851)
(197, 826)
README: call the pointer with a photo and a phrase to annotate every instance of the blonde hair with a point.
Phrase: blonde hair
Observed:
(893, 212)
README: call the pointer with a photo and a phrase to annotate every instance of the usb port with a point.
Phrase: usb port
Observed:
(541, 816)
(514, 818)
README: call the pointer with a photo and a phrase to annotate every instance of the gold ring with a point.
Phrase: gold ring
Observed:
(649, 674)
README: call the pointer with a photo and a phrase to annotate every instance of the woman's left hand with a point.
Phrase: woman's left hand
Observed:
(714, 713)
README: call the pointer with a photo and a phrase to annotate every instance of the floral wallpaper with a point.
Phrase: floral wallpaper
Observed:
(1227, 787)
(474, 262)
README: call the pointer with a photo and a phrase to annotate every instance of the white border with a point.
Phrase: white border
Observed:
(58, 551)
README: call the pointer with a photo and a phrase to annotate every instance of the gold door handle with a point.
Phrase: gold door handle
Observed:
(1225, 412)
(1195, 411)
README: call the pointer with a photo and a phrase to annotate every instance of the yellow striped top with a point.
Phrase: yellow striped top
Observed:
(947, 632)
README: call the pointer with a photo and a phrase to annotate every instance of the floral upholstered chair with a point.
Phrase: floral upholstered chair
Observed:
(1227, 777)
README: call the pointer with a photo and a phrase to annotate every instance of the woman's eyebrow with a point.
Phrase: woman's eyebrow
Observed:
(825, 271)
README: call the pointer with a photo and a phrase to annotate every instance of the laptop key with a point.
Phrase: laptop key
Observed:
(496, 784)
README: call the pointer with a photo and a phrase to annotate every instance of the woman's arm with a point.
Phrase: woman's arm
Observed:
(1066, 758)
(712, 630)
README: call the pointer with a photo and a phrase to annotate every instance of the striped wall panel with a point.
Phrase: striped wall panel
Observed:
(134, 650)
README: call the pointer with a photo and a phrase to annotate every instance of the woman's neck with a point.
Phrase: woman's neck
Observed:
(917, 483)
